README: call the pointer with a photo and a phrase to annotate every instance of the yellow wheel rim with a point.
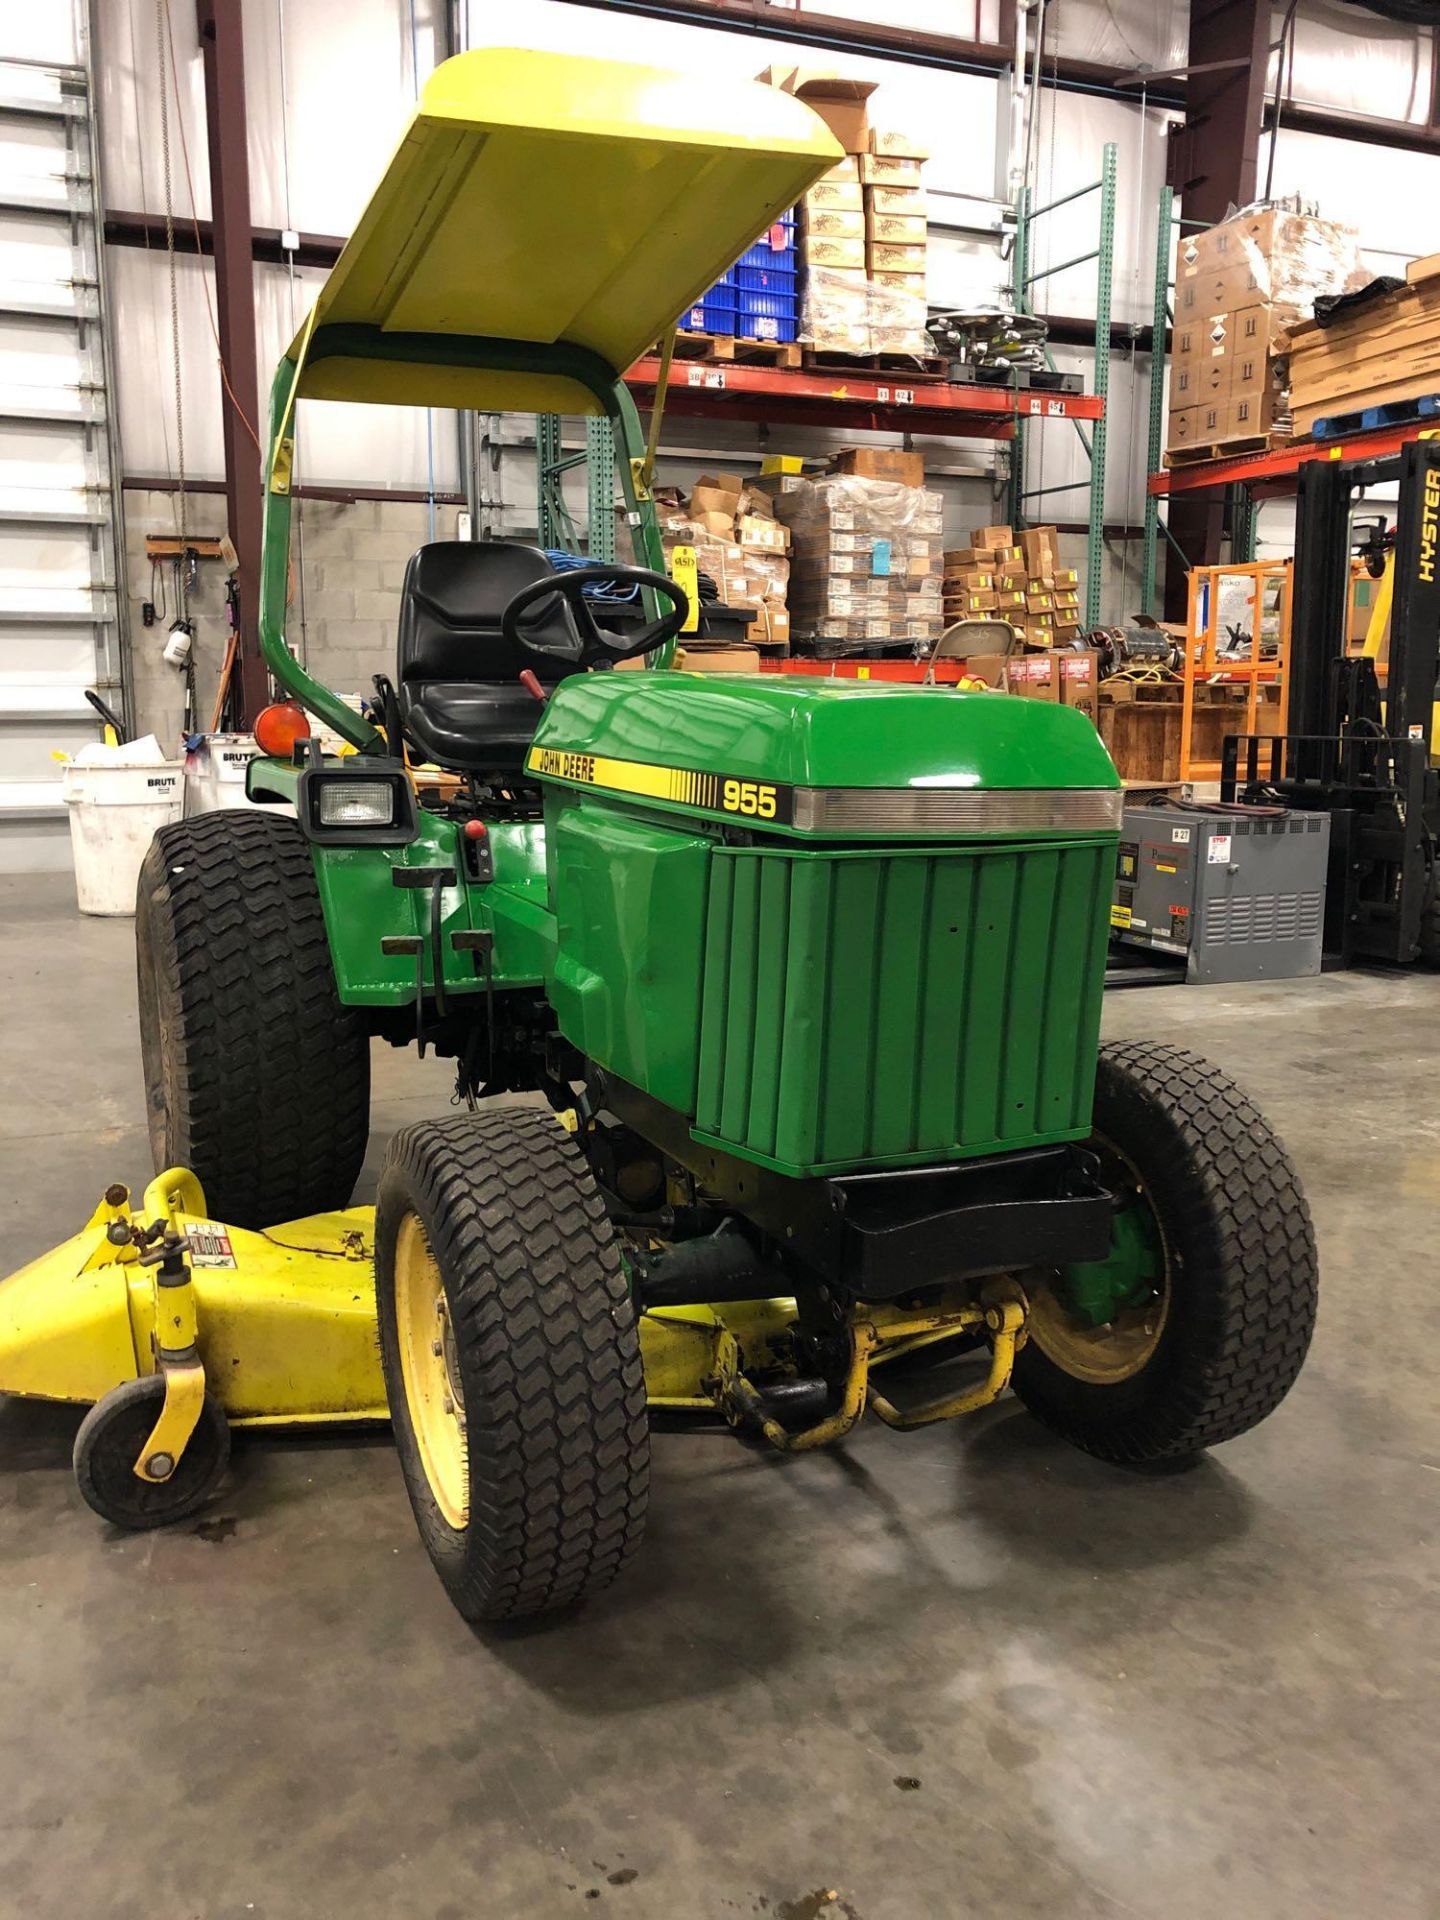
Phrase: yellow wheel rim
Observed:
(1125, 1346)
(429, 1371)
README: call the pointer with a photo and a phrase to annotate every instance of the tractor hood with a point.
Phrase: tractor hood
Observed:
(830, 756)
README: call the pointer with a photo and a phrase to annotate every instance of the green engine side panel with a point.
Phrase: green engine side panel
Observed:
(630, 919)
(887, 1009)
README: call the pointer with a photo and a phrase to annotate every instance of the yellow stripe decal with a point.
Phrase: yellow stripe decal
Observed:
(682, 786)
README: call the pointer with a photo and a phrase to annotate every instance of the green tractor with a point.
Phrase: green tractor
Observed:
(803, 979)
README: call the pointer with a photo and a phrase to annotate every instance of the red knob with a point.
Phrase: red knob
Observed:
(475, 830)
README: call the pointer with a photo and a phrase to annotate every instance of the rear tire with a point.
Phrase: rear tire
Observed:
(512, 1362)
(1240, 1282)
(256, 1077)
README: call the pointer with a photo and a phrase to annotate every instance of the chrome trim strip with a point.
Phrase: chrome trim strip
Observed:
(952, 810)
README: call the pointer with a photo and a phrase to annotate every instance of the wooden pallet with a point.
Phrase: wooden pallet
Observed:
(1225, 449)
(729, 348)
(915, 367)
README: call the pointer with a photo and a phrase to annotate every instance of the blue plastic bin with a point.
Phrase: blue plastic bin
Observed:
(713, 313)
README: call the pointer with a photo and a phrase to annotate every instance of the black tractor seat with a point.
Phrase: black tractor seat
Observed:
(458, 678)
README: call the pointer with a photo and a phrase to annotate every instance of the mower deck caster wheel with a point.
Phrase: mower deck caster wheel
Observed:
(109, 1442)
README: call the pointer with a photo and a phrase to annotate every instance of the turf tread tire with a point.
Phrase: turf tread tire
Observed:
(1245, 1293)
(548, 1353)
(257, 1078)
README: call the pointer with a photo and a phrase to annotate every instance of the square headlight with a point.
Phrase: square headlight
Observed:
(355, 803)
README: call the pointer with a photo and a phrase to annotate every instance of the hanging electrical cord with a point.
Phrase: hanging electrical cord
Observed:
(1283, 47)
(429, 412)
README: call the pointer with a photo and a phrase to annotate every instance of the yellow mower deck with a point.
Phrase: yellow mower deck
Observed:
(279, 1329)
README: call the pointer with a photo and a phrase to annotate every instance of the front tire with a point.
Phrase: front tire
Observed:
(256, 1077)
(512, 1362)
(1207, 1342)
(108, 1445)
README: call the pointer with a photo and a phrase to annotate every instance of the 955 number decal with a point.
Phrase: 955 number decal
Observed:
(748, 797)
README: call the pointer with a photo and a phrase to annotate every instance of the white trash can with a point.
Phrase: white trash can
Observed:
(215, 773)
(114, 814)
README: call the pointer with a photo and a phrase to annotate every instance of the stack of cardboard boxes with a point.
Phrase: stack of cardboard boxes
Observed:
(865, 564)
(1239, 289)
(862, 227)
(744, 549)
(892, 180)
(1018, 578)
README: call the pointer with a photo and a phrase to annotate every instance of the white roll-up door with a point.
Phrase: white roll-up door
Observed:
(59, 510)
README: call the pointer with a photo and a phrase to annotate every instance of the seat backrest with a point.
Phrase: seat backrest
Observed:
(454, 594)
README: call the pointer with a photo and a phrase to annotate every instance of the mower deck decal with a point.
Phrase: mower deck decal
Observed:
(711, 792)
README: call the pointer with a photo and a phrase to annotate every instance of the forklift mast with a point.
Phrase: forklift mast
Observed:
(1352, 748)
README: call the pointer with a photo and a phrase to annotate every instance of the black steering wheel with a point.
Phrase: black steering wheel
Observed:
(589, 644)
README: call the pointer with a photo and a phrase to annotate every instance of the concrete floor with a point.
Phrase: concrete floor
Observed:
(961, 1673)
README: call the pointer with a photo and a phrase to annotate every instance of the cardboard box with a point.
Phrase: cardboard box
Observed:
(1211, 422)
(1214, 381)
(898, 140)
(1039, 603)
(1183, 424)
(1252, 413)
(992, 537)
(770, 627)
(989, 667)
(719, 524)
(832, 223)
(1033, 676)
(716, 493)
(1184, 385)
(890, 170)
(832, 195)
(957, 557)
(895, 229)
(881, 463)
(1010, 600)
(846, 169)
(1215, 291)
(839, 102)
(1037, 545)
(753, 530)
(1080, 681)
(1066, 577)
(969, 580)
(902, 198)
(882, 257)
(823, 251)
(693, 659)
(913, 284)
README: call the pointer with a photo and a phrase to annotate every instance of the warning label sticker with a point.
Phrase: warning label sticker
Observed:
(1120, 916)
(210, 1244)
(1218, 853)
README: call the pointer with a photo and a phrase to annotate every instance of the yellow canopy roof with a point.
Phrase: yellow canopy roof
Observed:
(546, 198)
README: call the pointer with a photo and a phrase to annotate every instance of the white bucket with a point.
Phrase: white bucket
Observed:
(215, 772)
(114, 814)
